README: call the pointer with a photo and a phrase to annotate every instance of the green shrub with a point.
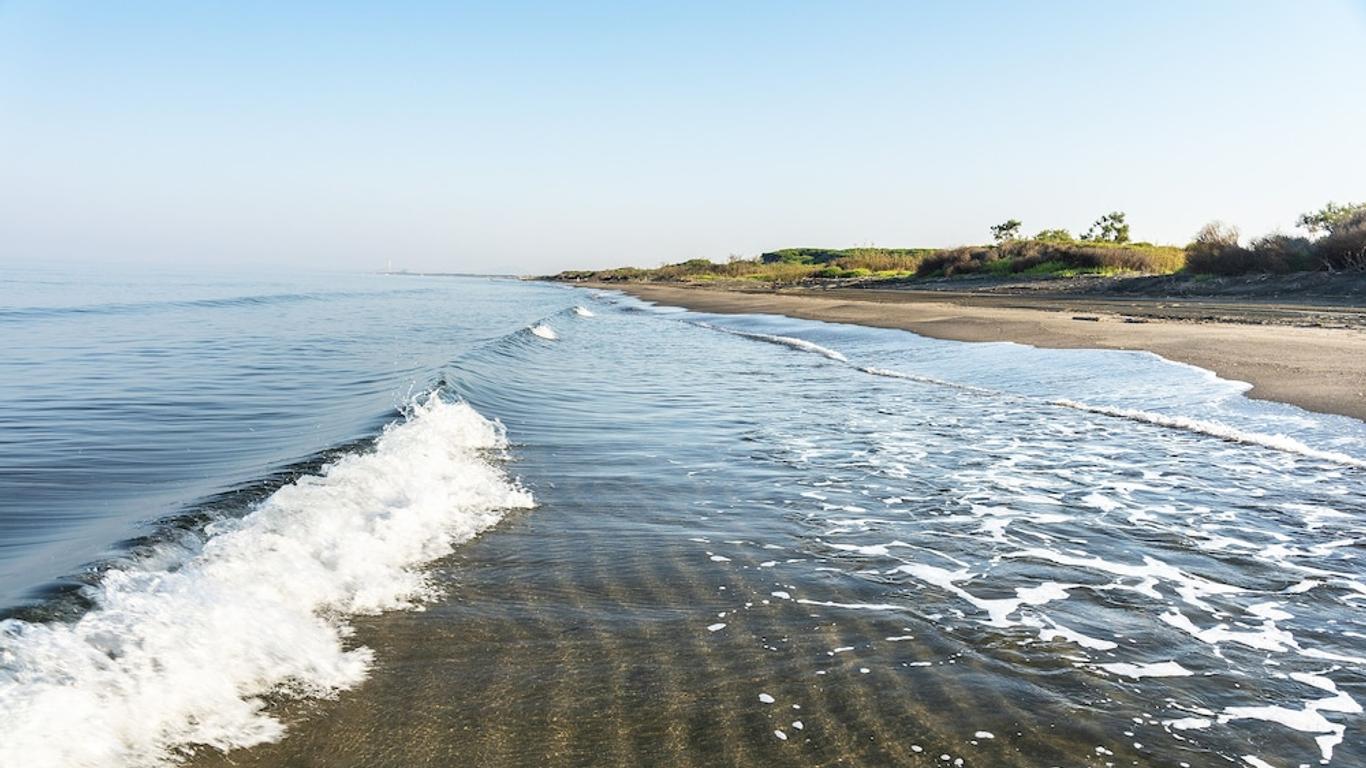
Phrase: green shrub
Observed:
(1054, 236)
(883, 259)
(998, 267)
(800, 256)
(872, 259)
(1051, 267)
(1027, 255)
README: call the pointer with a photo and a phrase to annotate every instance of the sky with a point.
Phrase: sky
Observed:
(531, 137)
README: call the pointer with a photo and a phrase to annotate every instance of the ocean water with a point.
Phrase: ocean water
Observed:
(397, 521)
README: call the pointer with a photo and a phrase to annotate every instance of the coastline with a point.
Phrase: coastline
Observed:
(1319, 369)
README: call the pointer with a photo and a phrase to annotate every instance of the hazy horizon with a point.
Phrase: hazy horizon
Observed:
(530, 138)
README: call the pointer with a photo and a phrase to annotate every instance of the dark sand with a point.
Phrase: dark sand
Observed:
(1285, 351)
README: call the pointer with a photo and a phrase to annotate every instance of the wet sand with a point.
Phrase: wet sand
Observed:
(1284, 351)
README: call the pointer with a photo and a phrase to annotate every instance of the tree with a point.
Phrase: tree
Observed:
(1328, 219)
(1007, 230)
(1110, 228)
(1054, 236)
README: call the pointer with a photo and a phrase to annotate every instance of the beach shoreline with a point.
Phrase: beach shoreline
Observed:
(1284, 351)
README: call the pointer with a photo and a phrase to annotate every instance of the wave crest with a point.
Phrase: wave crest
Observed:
(791, 342)
(182, 654)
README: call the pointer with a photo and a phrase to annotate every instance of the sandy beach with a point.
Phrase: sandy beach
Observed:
(1284, 351)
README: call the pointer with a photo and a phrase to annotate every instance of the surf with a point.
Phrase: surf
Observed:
(182, 650)
(1217, 430)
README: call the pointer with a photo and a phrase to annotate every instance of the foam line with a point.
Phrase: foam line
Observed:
(888, 373)
(1200, 426)
(785, 341)
(1215, 429)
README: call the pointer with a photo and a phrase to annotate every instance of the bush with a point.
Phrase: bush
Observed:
(1095, 257)
(1031, 255)
(1054, 236)
(1345, 246)
(956, 261)
(782, 273)
(1282, 253)
(872, 259)
(1215, 250)
(883, 259)
(800, 256)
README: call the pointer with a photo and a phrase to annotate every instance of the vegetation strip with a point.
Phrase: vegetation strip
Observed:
(1336, 242)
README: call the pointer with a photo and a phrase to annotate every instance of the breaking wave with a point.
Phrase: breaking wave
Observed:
(181, 649)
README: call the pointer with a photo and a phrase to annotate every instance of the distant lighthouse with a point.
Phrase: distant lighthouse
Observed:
(389, 266)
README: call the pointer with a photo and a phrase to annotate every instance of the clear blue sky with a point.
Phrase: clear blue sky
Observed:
(536, 136)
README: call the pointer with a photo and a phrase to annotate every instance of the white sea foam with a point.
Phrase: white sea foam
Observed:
(998, 610)
(1283, 443)
(1051, 630)
(171, 656)
(1192, 589)
(1268, 638)
(1308, 717)
(544, 331)
(1221, 431)
(786, 341)
(855, 606)
(1017, 541)
(582, 311)
(803, 345)
(1156, 669)
(888, 373)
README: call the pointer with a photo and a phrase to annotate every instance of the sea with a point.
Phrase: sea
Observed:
(403, 520)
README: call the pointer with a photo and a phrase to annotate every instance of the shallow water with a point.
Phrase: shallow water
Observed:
(755, 540)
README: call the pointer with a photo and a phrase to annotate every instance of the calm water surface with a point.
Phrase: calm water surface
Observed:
(279, 519)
